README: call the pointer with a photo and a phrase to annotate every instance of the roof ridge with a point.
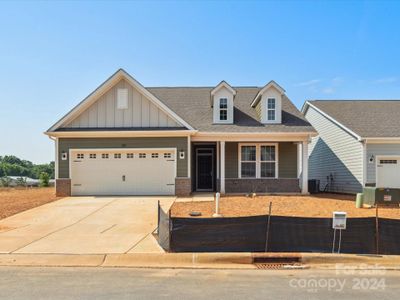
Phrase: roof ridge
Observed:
(197, 87)
(353, 100)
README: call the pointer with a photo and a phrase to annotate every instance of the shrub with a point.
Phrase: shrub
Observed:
(44, 179)
(5, 181)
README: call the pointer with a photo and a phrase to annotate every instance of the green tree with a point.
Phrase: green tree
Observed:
(44, 179)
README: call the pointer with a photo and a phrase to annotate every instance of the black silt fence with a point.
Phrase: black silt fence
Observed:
(286, 234)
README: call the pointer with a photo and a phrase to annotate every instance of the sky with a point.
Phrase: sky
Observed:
(53, 54)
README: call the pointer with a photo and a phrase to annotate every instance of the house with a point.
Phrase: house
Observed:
(358, 144)
(125, 139)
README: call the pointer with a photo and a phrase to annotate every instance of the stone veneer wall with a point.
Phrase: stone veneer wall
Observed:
(280, 185)
(183, 187)
(63, 187)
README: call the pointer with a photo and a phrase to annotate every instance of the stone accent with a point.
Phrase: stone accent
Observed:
(63, 187)
(183, 186)
(280, 185)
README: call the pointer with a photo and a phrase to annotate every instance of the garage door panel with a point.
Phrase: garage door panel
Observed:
(136, 172)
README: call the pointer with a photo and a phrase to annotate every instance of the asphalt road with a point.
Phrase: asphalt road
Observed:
(111, 283)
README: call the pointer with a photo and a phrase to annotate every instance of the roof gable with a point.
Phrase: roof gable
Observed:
(271, 84)
(80, 114)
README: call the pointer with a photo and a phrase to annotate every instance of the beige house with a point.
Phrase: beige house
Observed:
(127, 139)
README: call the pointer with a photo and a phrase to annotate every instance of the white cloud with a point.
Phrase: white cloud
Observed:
(309, 83)
(386, 80)
(328, 90)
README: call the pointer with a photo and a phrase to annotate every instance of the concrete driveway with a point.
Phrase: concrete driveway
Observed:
(85, 225)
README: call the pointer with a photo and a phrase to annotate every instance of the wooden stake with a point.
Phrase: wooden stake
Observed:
(376, 230)
(268, 224)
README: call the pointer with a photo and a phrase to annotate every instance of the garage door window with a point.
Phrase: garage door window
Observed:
(388, 161)
(129, 155)
(104, 155)
(154, 155)
(80, 156)
(142, 155)
(92, 155)
(117, 155)
(167, 155)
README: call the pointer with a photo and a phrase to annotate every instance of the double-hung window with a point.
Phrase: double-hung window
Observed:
(271, 109)
(258, 161)
(248, 161)
(223, 109)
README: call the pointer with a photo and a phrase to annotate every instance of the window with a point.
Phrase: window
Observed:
(167, 155)
(80, 156)
(388, 161)
(223, 109)
(117, 155)
(92, 155)
(154, 155)
(267, 161)
(258, 161)
(248, 161)
(142, 155)
(129, 155)
(271, 108)
(104, 155)
(122, 98)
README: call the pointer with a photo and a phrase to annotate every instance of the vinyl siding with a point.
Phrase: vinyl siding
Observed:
(141, 112)
(180, 143)
(287, 160)
(378, 149)
(334, 151)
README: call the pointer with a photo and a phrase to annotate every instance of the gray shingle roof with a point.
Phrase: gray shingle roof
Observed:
(193, 105)
(367, 118)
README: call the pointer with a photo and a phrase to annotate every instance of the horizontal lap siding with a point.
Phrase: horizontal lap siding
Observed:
(378, 149)
(180, 143)
(287, 160)
(334, 151)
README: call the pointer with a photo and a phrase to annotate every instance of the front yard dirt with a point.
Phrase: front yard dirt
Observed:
(321, 205)
(15, 200)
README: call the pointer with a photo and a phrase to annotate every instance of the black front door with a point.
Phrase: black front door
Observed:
(205, 169)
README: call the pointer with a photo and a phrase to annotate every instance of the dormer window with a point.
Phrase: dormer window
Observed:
(271, 109)
(223, 109)
(221, 100)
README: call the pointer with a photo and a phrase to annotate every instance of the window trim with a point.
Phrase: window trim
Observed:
(223, 109)
(258, 160)
(271, 109)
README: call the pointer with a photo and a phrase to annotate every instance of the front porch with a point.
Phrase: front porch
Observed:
(248, 166)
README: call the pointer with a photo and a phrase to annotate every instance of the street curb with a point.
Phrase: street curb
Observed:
(204, 260)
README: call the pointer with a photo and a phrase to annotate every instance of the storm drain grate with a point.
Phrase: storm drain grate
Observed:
(276, 266)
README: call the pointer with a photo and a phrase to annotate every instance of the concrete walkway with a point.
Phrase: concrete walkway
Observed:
(85, 225)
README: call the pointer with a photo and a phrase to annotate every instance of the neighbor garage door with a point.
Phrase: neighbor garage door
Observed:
(123, 172)
(388, 172)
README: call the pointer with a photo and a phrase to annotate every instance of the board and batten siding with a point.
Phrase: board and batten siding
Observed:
(65, 144)
(334, 151)
(141, 112)
(287, 160)
(376, 150)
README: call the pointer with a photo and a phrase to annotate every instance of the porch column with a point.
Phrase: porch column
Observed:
(222, 163)
(304, 169)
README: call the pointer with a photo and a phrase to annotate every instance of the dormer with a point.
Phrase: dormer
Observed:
(268, 103)
(222, 103)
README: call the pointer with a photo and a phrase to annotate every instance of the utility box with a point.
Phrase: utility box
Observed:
(374, 195)
(339, 219)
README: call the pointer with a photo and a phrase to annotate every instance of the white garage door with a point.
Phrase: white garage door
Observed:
(123, 172)
(388, 172)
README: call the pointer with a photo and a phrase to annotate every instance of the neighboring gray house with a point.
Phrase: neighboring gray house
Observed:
(125, 139)
(358, 144)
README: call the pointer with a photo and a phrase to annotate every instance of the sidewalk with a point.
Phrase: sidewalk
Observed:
(204, 260)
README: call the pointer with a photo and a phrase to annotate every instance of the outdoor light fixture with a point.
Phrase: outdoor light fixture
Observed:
(371, 159)
(181, 154)
(64, 155)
